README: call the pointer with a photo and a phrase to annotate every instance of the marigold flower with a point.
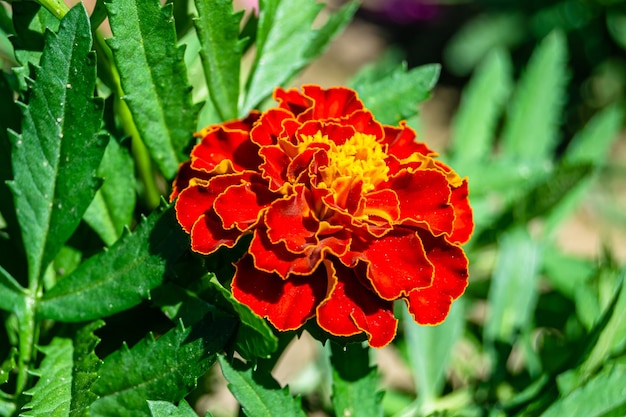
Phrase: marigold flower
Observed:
(345, 214)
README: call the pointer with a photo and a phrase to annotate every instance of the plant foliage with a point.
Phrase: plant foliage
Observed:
(108, 313)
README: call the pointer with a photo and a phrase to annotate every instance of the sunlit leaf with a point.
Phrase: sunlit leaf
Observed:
(396, 96)
(56, 156)
(513, 293)
(120, 277)
(531, 128)
(218, 32)
(257, 392)
(113, 206)
(355, 382)
(429, 349)
(154, 78)
(163, 369)
(481, 106)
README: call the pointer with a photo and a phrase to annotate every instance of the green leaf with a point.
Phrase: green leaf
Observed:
(283, 37)
(603, 395)
(112, 208)
(10, 290)
(429, 349)
(154, 78)
(531, 128)
(66, 374)
(396, 96)
(52, 394)
(566, 273)
(612, 340)
(12, 256)
(120, 277)
(355, 382)
(254, 338)
(56, 156)
(616, 24)
(481, 105)
(30, 21)
(7, 367)
(85, 370)
(166, 409)
(258, 393)
(336, 22)
(538, 201)
(514, 291)
(164, 369)
(480, 35)
(218, 32)
(593, 143)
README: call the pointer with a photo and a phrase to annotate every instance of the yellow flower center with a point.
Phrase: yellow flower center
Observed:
(361, 157)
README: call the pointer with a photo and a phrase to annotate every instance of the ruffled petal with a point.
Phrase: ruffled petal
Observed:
(192, 203)
(363, 121)
(424, 198)
(242, 205)
(351, 308)
(382, 204)
(269, 127)
(290, 220)
(335, 102)
(208, 235)
(396, 263)
(224, 151)
(402, 144)
(431, 305)
(463, 217)
(287, 304)
(338, 133)
(187, 177)
(291, 100)
(276, 258)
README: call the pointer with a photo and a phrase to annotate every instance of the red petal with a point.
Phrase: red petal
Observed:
(424, 200)
(208, 235)
(274, 167)
(397, 263)
(241, 205)
(290, 220)
(287, 304)
(198, 199)
(224, 151)
(383, 204)
(463, 217)
(431, 305)
(335, 102)
(276, 258)
(269, 127)
(292, 100)
(192, 203)
(363, 122)
(351, 308)
(243, 124)
(185, 177)
(402, 144)
(338, 133)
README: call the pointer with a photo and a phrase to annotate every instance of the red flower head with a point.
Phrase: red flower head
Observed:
(346, 215)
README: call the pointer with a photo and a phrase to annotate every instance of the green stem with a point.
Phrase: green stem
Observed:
(57, 7)
(28, 333)
(143, 162)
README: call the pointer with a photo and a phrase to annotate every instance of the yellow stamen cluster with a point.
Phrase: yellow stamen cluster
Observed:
(361, 157)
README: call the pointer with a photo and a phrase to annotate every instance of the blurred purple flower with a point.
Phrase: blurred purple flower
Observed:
(403, 11)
